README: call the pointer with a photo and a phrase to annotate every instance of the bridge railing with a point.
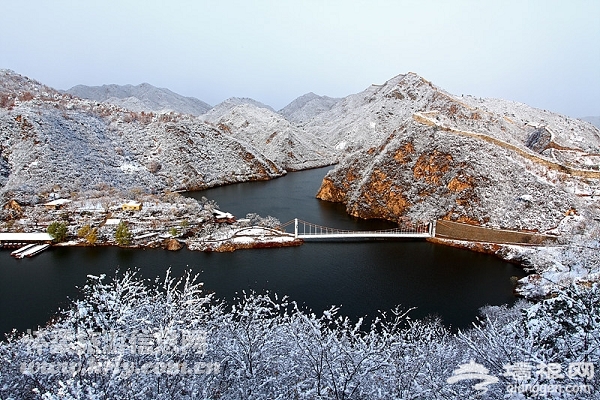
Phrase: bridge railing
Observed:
(305, 228)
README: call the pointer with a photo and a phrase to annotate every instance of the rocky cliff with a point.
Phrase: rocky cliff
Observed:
(414, 151)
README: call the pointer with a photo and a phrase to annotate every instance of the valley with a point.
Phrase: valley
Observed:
(405, 151)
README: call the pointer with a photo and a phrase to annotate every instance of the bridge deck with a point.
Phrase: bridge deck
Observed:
(306, 230)
(365, 235)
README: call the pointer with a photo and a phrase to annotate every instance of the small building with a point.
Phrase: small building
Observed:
(132, 206)
(56, 204)
(112, 221)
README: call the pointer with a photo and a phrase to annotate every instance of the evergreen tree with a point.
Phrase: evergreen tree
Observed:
(122, 234)
(58, 231)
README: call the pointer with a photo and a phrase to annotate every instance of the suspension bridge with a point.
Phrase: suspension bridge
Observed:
(308, 230)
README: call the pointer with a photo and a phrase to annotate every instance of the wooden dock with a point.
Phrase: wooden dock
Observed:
(30, 250)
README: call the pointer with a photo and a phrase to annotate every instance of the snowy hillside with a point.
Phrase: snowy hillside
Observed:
(414, 152)
(143, 97)
(362, 119)
(54, 142)
(422, 153)
(366, 118)
(289, 146)
(232, 102)
(306, 107)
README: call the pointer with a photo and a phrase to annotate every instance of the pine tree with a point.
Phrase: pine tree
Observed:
(122, 234)
(58, 231)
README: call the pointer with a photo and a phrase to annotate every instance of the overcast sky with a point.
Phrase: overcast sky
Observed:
(544, 53)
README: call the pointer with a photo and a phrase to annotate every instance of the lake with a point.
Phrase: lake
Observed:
(360, 276)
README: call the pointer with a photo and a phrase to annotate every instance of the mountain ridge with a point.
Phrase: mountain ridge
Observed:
(304, 108)
(55, 142)
(142, 97)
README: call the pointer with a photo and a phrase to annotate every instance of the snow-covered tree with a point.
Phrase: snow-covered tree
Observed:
(169, 339)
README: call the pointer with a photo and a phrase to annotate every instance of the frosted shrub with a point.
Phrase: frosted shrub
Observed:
(168, 338)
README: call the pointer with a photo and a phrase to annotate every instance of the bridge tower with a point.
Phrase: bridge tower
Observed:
(432, 228)
(295, 228)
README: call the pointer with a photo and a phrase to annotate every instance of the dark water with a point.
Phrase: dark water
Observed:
(362, 277)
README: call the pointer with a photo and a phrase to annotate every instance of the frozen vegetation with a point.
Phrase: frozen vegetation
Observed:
(128, 338)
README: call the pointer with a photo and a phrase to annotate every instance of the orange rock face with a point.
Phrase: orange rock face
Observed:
(404, 175)
(431, 167)
(459, 184)
(384, 197)
(330, 192)
(403, 154)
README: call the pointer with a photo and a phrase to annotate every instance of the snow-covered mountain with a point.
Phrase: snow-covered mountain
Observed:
(143, 97)
(306, 107)
(223, 107)
(55, 142)
(287, 145)
(415, 151)
(365, 118)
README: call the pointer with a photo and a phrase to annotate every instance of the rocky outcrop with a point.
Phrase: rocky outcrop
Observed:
(539, 140)
(173, 245)
(415, 152)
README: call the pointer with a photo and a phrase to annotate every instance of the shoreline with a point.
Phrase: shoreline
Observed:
(233, 243)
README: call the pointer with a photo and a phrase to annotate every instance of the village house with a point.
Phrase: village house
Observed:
(132, 206)
(56, 204)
